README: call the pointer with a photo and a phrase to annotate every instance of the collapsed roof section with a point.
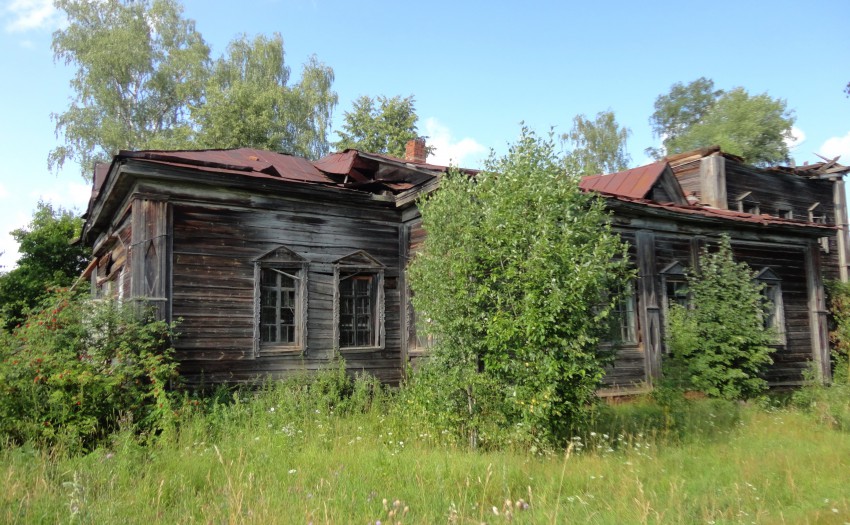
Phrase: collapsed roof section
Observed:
(655, 188)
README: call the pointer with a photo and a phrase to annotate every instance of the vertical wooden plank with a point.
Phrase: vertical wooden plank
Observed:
(697, 244)
(404, 318)
(817, 313)
(712, 172)
(839, 198)
(650, 314)
(150, 255)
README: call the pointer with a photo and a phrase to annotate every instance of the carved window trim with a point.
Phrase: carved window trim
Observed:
(284, 262)
(359, 265)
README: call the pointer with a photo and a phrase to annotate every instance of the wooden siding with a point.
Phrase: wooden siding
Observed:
(213, 285)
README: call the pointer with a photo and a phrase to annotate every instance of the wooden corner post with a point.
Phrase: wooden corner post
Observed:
(817, 313)
(650, 311)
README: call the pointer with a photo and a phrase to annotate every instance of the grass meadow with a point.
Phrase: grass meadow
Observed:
(259, 460)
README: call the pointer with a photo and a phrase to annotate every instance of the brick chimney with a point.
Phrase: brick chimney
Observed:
(415, 150)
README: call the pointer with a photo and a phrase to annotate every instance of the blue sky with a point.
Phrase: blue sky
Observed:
(477, 69)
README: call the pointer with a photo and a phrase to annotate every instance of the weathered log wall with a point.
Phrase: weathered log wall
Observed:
(213, 284)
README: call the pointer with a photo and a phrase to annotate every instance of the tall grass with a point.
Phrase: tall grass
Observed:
(293, 453)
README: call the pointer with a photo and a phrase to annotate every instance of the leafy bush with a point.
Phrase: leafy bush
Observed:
(830, 403)
(77, 370)
(514, 278)
(720, 344)
(48, 260)
(839, 299)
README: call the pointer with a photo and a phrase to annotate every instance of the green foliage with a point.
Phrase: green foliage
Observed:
(597, 146)
(462, 407)
(693, 116)
(830, 403)
(48, 260)
(681, 109)
(514, 279)
(144, 80)
(250, 103)
(140, 66)
(839, 298)
(78, 370)
(668, 419)
(380, 125)
(720, 345)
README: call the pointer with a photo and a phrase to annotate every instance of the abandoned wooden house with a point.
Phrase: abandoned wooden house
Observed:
(274, 263)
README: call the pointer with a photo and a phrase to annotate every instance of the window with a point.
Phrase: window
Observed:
(623, 326)
(784, 213)
(418, 342)
(817, 216)
(279, 305)
(747, 204)
(359, 302)
(774, 314)
(280, 302)
(357, 309)
(675, 285)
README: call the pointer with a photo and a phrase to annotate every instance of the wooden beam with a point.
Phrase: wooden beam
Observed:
(817, 313)
(839, 199)
(712, 171)
(649, 310)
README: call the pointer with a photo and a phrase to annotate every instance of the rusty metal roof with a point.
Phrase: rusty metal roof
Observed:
(339, 163)
(244, 161)
(633, 186)
(710, 212)
(634, 183)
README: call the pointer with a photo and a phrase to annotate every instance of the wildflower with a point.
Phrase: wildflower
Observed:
(292, 471)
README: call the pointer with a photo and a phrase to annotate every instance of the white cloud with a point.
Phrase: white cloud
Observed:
(71, 196)
(466, 152)
(836, 146)
(31, 14)
(797, 138)
(3, 192)
(8, 245)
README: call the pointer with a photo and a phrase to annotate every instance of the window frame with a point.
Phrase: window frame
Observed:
(819, 218)
(283, 260)
(747, 204)
(674, 272)
(626, 325)
(418, 342)
(772, 282)
(361, 263)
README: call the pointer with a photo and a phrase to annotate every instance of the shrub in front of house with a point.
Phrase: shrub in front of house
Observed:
(719, 345)
(515, 283)
(78, 369)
